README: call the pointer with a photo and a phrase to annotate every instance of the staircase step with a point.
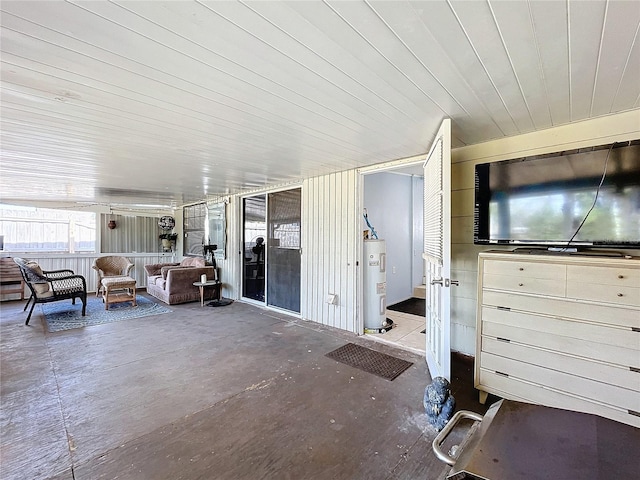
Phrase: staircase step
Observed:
(420, 291)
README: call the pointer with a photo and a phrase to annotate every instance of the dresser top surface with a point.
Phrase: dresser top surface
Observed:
(565, 258)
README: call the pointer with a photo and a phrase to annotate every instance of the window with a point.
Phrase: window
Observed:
(194, 223)
(217, 228)
(30, 229)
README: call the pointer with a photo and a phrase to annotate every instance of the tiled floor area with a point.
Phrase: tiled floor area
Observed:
(405, 333)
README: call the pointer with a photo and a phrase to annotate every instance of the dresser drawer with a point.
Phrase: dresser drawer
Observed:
(620, 276)
(559, 307)
(523, 269)
(581, 367)
(592, 332)
(625, 357)
(618, 294)
(521, 284)
(571, 384)
(516, 389)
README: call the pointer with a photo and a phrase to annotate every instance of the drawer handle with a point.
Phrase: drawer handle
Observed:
(620, 276)
(634, 369)
(521, 269)
(500, 339)
(620, 295)
(521, 284)
(502, 374)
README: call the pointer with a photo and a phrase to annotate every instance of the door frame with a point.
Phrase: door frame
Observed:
(416, 161)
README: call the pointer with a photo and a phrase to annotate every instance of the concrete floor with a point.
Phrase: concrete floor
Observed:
(236, 392)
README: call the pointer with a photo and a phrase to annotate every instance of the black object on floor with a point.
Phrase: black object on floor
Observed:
(388, 325)
(223, 302)
(370, 361)
(414, 306)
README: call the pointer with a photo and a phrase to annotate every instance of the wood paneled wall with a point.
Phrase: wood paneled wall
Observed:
(464, 261)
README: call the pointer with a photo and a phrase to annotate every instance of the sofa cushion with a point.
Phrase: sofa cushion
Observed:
(165, 270)
(151, 280)
(193, 262)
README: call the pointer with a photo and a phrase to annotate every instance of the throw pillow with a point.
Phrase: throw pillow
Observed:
(38, 287)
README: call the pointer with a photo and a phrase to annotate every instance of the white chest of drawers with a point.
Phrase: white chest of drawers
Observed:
(561, 331)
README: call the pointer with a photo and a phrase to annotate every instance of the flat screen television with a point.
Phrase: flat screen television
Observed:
(569, 200)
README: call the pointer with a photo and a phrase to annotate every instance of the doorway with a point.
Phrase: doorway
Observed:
(271, 254)
(393, 199)
(436, 204)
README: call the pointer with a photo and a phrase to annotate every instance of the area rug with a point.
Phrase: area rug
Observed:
(64, 315)
(380, 364)
(414, 306)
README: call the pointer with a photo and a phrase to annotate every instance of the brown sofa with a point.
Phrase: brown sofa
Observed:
(173, 282)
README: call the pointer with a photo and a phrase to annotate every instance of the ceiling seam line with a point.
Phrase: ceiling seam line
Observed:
(483, 67)
(624, 69)
(114, 128)
(413, 54)
(471, 90)
(595, 76)
(298, 63)
(324, 59)
(426, 95)
(253, 85)
(220, 123)
(287, 121)
(540, 63)
(515, 74)
(167, 74)
(570, 70)
(204, 134)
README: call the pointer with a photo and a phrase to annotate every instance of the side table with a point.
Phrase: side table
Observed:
(216, 284)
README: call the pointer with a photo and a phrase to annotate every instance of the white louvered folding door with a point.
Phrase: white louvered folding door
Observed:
(437, 252)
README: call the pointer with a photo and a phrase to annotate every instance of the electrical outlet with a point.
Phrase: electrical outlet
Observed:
(393, 269)
(332, 299)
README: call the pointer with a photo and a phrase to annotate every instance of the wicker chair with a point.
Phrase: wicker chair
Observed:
(111, 266)
(51, 286)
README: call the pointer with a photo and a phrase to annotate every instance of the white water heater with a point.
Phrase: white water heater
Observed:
(375, 284)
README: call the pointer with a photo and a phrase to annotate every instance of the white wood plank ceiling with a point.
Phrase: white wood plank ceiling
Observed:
(159, 102)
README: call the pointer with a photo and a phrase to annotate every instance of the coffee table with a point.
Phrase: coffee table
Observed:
(118, 289)
(209, 283)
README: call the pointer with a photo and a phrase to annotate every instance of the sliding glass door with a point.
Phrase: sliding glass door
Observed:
(271, 249)
(254, 235)
(283, 256)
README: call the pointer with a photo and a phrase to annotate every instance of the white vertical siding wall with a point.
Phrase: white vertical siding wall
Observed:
(229, 268)
(330, 231)
(132, 234)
